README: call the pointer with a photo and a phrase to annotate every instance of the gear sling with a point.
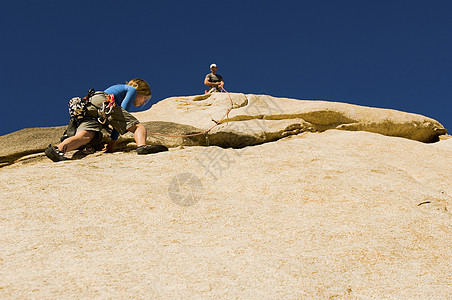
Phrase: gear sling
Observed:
(77, 110)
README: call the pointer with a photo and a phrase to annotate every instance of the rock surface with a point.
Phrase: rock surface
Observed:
(254, 119)
(322, 209)
(338, 214)
(243, 120)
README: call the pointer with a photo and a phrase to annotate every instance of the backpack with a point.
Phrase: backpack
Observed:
(77, 110)
(78, 106)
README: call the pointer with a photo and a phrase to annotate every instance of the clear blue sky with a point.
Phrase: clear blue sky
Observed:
(391, 54)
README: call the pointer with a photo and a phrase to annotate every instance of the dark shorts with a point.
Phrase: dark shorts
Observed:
(120, 119)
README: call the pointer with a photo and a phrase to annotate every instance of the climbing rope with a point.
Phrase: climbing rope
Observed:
(204, 132)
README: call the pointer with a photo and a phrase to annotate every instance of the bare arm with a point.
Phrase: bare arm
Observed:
(208, 83)
(218, 84)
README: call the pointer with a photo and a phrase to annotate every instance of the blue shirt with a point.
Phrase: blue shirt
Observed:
(125, 95)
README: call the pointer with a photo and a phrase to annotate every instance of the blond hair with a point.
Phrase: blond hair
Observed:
(141, 86)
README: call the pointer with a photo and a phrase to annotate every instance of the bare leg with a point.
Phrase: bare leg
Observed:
(82, 137)
(139, 133)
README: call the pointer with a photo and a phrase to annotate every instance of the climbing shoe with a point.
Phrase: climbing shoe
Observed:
(54, 154)
(148, 149)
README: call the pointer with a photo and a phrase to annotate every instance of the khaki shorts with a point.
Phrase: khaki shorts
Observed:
(120, 119)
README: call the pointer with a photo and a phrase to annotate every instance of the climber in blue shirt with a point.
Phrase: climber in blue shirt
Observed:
(136, 92)
(125, 96)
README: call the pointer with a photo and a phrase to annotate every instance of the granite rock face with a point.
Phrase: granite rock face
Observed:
(291, 200)
(245, 120)
(239, 120)
(318, 215)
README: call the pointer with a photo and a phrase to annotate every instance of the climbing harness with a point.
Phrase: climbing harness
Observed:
(107, 108)
(79, 106)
